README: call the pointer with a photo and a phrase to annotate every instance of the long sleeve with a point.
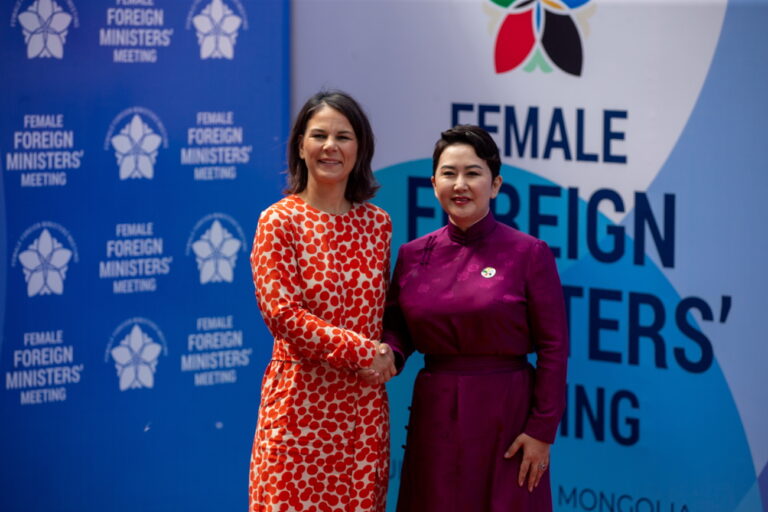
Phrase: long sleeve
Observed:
(396, 333)
(548, 331)
(279, 280)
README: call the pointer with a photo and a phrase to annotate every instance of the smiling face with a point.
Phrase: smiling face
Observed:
(329, 149)
(464, 185)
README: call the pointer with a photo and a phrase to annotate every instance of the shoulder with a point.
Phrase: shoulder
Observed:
(418, 244)
(534, 252)
(522, 241)
(279, 214)
(373, 212)
(285, 207)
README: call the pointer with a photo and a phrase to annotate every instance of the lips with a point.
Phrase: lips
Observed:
(460, 200)
(326, 161)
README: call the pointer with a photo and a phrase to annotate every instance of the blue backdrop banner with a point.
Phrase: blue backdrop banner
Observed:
(139, 141)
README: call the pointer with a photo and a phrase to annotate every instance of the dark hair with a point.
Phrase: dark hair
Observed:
(484, 145)
(362, 184)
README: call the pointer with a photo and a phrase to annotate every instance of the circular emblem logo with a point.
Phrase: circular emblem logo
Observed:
(488, 272)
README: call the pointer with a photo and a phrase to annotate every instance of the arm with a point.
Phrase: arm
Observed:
(278, 283)
(383, 367)
(548, 331)
(396, 333)
(548, 328)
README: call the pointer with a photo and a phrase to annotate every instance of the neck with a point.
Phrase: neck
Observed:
(329, 199)
(465, 226)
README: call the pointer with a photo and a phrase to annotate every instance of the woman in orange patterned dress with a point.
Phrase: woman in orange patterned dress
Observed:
(320, 265)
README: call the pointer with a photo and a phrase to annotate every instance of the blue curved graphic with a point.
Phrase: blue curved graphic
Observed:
(646, 419)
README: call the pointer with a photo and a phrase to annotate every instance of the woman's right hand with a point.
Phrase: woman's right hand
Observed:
(383, 367)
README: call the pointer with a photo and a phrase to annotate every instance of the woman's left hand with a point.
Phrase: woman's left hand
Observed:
(535, 459)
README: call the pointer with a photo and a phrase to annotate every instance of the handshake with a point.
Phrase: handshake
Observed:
(383, 367)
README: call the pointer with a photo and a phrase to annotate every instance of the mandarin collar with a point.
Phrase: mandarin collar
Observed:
(476, 231)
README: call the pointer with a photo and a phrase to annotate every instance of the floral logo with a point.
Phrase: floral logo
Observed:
(216, 254)
(136, 360)
(136, 149)
(44, 25)
(542, 33)
(45, 265)
(216, 27)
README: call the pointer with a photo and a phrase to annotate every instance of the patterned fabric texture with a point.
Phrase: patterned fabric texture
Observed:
(322, 439)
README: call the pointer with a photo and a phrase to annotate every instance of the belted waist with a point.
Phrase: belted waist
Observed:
(473, 363)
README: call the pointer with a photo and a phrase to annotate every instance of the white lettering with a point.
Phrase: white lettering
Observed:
(32, 339)
(44, 121)
(135, 229)
(43, 356)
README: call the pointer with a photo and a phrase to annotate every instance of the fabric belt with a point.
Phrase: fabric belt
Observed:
(474, 363)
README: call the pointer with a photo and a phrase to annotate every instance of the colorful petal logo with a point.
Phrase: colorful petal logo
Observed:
(539, 33)
(216, 27)
(44, 25)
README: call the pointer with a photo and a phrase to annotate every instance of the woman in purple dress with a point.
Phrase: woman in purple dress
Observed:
(477, 296)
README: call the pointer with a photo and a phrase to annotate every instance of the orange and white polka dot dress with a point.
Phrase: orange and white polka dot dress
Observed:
(322, 439)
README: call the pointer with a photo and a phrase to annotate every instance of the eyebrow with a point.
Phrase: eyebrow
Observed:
(470, 166)
(322, 130)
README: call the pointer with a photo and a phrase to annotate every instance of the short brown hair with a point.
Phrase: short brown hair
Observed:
(362, 184)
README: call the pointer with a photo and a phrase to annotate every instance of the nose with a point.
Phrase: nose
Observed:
(460, 183)
(330, 144)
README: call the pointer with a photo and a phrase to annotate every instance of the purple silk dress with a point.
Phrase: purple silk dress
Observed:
(475, 303)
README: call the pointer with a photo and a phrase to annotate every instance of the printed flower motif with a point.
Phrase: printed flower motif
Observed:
(44, 25)
(536, 25)
(216, 254)
(45, 265)
(216, 28)
(136, 149)
(136, 360)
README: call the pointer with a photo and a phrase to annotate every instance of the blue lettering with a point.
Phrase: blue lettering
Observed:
(615, 231)
(557, 138)
(610, 135)
(414, 210)
(531, 132)
(622, 498)
(588, 494)
(597, 324)
(581, 156)
(481, 112)
(605, 241)
(665, 245)
(642, 501)
(567, 133)
(606, 504)
(596, 419)
(588, 413)
(568, 498)
(698, 337)
(537, 219)
(508, 218)
(570, 292)
(650, 331)
(458, 108)
(637, 329)
(573, 223)
(632, 422)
